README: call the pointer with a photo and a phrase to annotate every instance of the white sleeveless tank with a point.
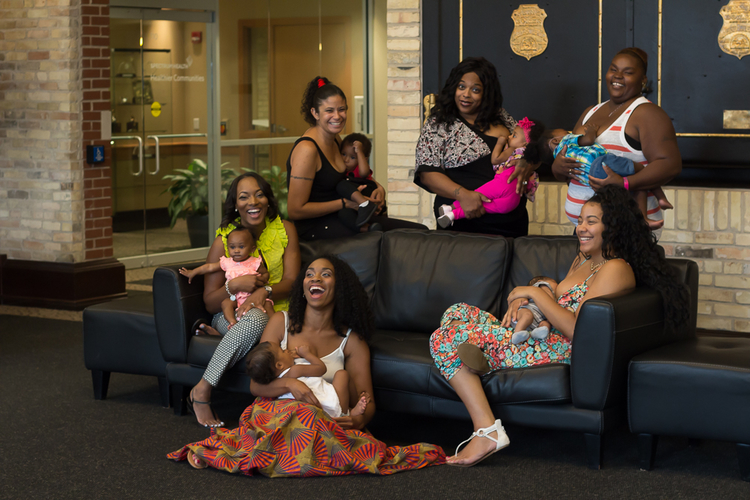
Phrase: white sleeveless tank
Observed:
(613, 140)
(333, 361)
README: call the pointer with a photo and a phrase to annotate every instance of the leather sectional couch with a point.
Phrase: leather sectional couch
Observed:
(412, 276)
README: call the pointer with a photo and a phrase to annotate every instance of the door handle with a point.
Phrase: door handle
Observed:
(140, 152)
(166, 136)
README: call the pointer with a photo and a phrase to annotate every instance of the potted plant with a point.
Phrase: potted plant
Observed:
(277, 179)
(189, 190)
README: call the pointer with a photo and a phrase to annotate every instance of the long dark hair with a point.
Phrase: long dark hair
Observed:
(446, 111)
(230, 204)
(351, 309)
(318, 90)
(627, 236)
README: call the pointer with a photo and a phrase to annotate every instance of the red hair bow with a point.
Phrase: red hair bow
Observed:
(321, 82)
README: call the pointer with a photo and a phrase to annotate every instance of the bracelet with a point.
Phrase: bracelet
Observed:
(625, 183)
(232, 297)
(343, 203)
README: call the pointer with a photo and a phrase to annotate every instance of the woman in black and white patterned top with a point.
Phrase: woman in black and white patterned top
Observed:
(455, 148)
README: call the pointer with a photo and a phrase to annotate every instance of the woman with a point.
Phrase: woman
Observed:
(315, 166)
(251, 203)
(617, 253)
(454, 150)
(628, 125)
(328, 312)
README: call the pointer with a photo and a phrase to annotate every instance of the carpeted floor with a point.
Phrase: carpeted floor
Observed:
(56, 441)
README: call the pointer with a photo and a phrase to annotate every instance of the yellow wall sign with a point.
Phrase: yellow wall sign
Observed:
(156, 109)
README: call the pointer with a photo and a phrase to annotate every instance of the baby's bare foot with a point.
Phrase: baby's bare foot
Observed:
(665, 205)
(361, 406)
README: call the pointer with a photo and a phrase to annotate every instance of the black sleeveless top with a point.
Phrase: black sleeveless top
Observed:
(323, 186)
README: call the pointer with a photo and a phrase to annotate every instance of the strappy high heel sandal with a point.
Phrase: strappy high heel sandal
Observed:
(501, 441)
(191, 402)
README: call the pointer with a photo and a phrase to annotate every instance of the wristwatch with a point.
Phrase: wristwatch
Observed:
(269, 290)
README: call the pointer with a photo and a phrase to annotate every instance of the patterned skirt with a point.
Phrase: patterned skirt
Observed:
(483, 330)
(288, 438)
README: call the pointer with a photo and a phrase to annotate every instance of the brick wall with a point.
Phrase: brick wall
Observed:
(405, 199)
(95, 78)
(40, 165)
(54, 79)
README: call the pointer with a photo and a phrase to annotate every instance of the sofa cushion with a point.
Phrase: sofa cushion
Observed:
(360, 251)
(539, 256)
(401, 362)
(422, 273)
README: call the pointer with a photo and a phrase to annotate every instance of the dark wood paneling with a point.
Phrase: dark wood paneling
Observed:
(61, 285)
(440, 35)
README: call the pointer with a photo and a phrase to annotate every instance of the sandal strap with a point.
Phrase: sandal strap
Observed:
(482, 432)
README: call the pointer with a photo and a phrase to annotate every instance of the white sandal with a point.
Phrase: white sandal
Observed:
(501, 441)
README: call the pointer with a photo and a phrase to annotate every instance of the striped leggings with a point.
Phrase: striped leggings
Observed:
(236, 342)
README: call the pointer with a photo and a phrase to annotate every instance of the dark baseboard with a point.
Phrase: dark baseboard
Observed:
(701, 332)
(60, 285)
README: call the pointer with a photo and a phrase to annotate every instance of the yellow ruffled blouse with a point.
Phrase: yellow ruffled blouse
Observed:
(271, 245)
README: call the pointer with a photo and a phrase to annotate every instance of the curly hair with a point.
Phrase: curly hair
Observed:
(261, 364)
(230, 204)
(366, 144)
(627, 236)
(351, 309)
(315, 93)
(446, 111)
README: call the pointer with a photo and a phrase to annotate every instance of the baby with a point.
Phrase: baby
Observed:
(268, 361)
(531, 317)
(583, 148)
(503, 196)
(241, 245)
(355, 148)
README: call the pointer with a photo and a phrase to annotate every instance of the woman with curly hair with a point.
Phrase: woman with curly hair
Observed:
(250, 204)
(454, 151)
(617, 252)
(316, 167)
(328, 313)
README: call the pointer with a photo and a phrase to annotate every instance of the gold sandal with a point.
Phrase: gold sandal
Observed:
(473, 357)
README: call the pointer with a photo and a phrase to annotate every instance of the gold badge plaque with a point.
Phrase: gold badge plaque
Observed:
(528, 38)
(734, 37)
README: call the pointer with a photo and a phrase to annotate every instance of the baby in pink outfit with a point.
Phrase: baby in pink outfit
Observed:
(240, 245)
(502, 195)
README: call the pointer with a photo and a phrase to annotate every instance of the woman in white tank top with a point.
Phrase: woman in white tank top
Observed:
(629, 125)
(340, 339)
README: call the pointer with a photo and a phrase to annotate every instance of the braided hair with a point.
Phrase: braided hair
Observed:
(627, 236)
(351, 309)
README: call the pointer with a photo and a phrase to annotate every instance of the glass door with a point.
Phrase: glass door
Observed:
(162, 177)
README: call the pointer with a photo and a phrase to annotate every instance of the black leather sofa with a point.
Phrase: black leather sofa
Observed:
(412, 276)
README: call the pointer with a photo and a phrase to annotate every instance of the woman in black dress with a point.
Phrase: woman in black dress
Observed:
(455, 148)
(315, 166)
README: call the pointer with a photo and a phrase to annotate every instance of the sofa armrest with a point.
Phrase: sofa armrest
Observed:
(177, 305)
(611, 330)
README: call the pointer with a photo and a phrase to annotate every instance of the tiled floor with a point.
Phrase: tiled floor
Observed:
(136, 280)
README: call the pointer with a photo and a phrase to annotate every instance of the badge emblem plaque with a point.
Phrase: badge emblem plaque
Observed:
(528, 38)
(734, 37)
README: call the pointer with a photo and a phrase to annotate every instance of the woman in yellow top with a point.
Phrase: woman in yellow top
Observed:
(251, 203)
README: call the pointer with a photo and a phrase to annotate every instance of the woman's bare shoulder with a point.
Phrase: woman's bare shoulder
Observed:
(618, 270)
